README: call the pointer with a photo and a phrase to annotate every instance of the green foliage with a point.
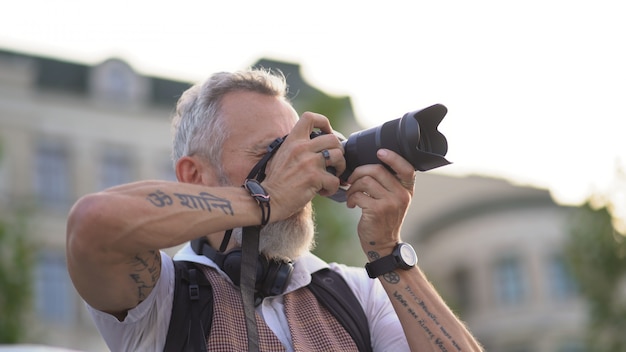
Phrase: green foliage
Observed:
(336, 236)
(336, 233)
(15, 279)
(597, 255)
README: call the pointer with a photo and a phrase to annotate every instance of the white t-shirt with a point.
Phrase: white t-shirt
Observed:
(145, 327)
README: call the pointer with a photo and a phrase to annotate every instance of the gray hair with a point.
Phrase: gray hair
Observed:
(197, 127)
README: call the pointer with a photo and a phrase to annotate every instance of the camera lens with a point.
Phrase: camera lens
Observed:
(414, 136)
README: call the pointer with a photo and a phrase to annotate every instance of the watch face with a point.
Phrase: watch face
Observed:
(408, 255)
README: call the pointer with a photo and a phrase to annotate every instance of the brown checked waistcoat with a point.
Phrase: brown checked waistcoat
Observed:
(312, 326)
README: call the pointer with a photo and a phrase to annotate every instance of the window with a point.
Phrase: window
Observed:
(118, 84)
(509, 281)
(54, 293)
(116, 168)
(560, 281)
(52, 174)
(115, 81)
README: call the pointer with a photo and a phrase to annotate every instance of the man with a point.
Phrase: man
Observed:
(222, 128)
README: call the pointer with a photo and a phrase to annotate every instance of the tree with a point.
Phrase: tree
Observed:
(16, 277)
(337, 240)
(15, 280)
(596, 252)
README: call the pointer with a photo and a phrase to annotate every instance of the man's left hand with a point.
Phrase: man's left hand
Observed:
(384, 199)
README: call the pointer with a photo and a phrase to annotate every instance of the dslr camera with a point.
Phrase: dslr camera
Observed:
(414, 136)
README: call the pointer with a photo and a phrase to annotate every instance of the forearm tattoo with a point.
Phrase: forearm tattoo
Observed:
(201, 201)
(373, 255)
(424, 318)
(145, 272)
(392, 277)
(418, 310)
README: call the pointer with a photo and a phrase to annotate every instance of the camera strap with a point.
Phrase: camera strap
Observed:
(250, 253)
(258, 171)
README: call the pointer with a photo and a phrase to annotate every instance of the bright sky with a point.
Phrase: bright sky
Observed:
(535, 89)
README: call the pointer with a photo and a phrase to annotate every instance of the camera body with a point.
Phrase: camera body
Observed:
(414, 136)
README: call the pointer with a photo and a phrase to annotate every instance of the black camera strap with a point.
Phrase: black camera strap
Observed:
(250, 253)
(258, 171)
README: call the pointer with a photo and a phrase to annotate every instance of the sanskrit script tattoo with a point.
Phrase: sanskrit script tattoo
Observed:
(145, 272)
(201, 201)
(425, 318)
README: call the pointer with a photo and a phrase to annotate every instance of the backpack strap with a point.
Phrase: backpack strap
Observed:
(192, 310)
(330, 289)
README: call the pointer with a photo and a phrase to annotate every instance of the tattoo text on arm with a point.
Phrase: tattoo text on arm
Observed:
(423, 316)
(201, 201)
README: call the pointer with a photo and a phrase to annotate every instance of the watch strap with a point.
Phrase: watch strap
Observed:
(402, 257)
(381, 266)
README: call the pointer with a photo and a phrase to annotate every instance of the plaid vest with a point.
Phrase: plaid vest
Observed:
(312, 327)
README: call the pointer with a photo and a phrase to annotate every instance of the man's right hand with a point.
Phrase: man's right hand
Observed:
(297, 172)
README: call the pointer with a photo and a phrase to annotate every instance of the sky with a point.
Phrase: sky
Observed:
(535, 89)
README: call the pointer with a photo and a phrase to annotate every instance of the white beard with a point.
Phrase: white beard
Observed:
(286, 239)
(282, 240)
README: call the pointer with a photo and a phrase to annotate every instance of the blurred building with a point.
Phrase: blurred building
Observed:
(495, 252)
(66, 129)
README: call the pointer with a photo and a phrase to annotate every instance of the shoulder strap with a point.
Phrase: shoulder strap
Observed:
(193, 301)
(192, 310)
(333, 292)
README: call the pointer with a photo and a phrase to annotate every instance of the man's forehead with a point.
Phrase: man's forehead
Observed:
(250, 105)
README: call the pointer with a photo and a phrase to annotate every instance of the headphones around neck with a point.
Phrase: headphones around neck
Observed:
(272, 275)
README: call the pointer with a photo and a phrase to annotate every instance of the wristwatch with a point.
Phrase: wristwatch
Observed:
(403, 257)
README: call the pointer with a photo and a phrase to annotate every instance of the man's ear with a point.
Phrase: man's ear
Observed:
(191, 169)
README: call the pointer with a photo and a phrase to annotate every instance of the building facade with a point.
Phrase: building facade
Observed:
(493, 249)
(66, 130)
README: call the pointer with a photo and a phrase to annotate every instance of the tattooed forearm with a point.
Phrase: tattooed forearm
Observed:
(403, 301)
(422, 315)
(145, 272)
(422, 305)
(201, 201)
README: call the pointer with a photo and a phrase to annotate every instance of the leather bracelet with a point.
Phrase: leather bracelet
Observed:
(262, 198)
